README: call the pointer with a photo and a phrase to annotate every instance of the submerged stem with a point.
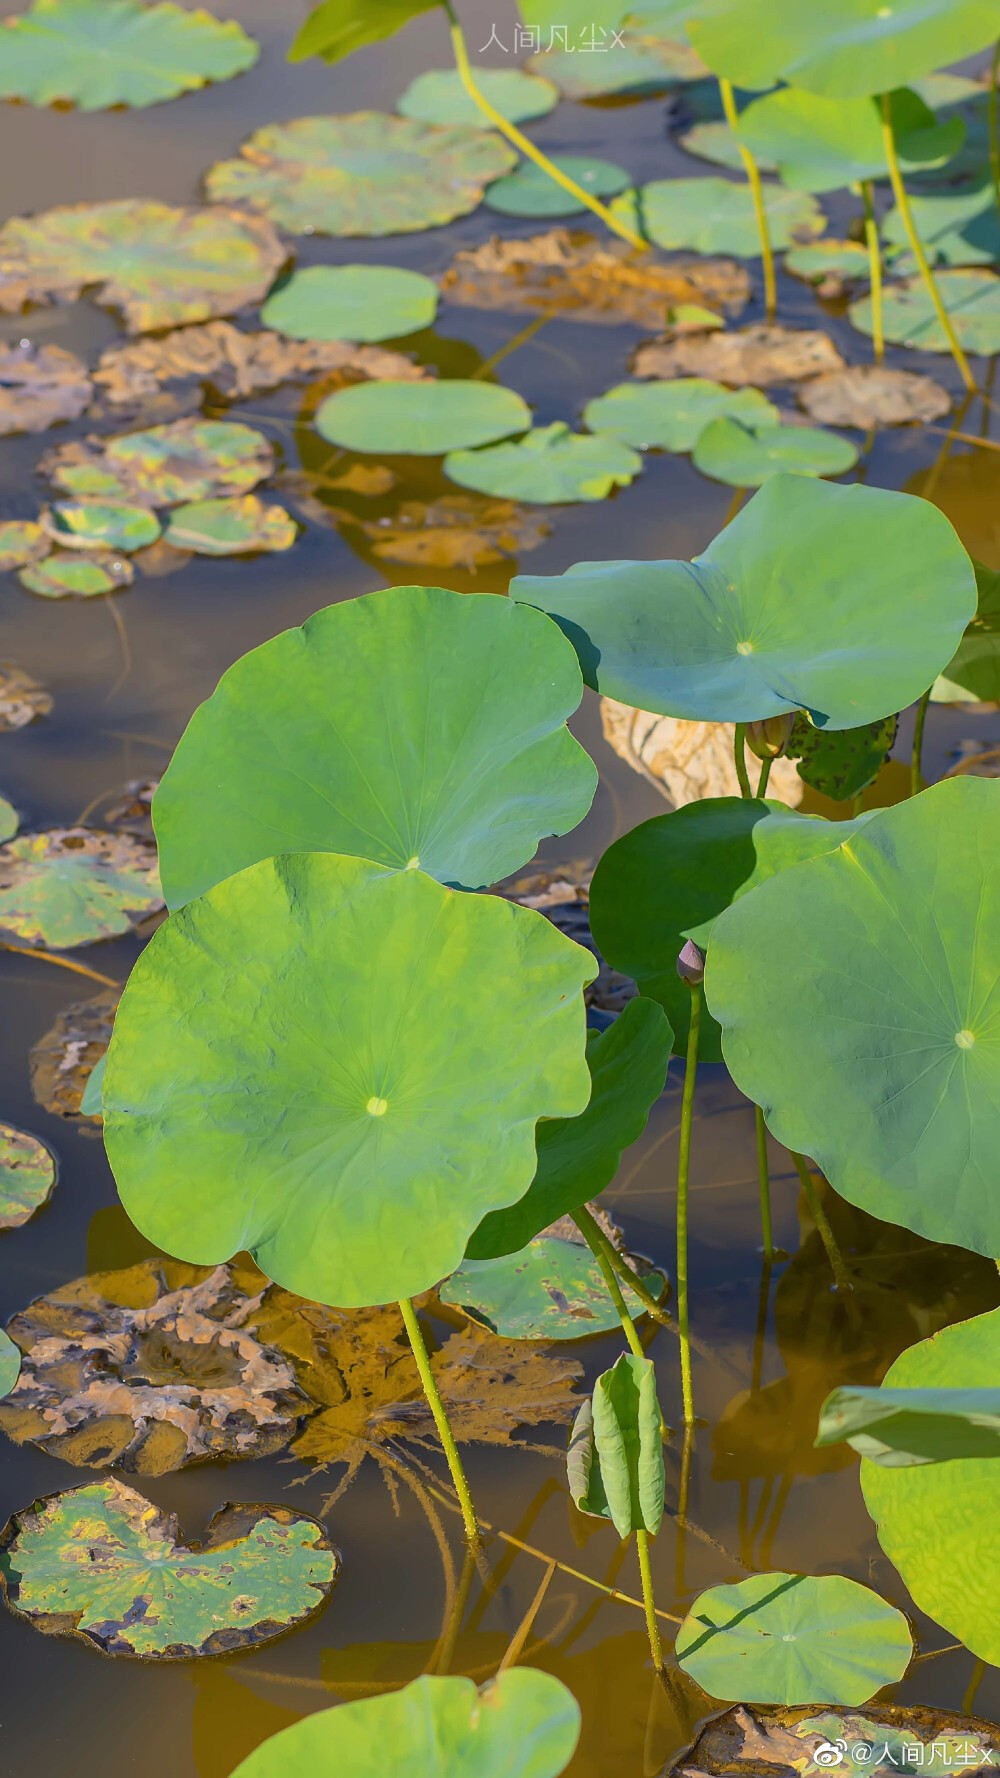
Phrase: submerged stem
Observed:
(752, 171)
(437, 1408)
(841, 1276)
(916, 245)
(683, 1169)
(583, 1222)
(740, 756)
(646, 1574)
(874, 245)
(764, 1184)
(916, 773)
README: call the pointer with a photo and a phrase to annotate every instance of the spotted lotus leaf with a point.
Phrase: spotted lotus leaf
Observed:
(100, 524)
(366, 173)
(40, 384)
(189, 459)
(73, 885)
(62, 1060)
(76, 576)
(27, 1176)
(158, 263)
(232, 527)
(22, 542)
(105, 1564)
(98, 53)
(552, 1289)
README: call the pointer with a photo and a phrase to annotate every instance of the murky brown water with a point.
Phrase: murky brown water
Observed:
(760, 1496)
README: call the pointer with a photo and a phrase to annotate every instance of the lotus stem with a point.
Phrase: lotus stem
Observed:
(757, 193)
(521, 142)
(441, 1421)
(993, 121)
(916, 245)
(874, 245)
(592, 1232)
(613, 1286)
(93, 975)
(916, 758)
(740, 756)
(649, 1605)
(683, 1169)
(765, 773)
(764, 1182)
(841, 1275)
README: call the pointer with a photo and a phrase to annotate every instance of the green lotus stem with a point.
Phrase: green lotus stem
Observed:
(649, 1605)
(765, 773)
(916, 758)
(992, 108)
(874, 245)
(683, 1169)
(752, 171)
(593, 1233)
(521, 142)
(841, 1275)
(916, 245)
(740, 756)
(764, 1182)
(437, 1408)
(614, 1288)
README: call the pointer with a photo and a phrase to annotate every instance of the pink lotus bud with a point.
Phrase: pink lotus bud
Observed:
(691, 964)
(768, 739)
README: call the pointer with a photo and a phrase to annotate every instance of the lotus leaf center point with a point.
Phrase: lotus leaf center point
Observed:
(965, 1039)
(413, 864)
(377, 1107)
(744, 648)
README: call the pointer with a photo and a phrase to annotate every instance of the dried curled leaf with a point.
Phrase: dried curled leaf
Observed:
(133, 810)
(22, 699)
(189, 459)
(456, 531)
(569, 273)
(62, 1061)
(756, 355)
(743, 1743)
(72, 885)
(27, 1176)
(40, 385)
(867, 395)
(686, 761)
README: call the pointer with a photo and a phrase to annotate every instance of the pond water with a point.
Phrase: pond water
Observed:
(124, 681)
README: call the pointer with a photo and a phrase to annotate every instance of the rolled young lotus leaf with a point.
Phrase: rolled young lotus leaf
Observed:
(615, 1461)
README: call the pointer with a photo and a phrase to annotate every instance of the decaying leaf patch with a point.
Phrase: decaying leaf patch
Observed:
(27, 1176)
(132, 811)
(866, 395)
(40, 385)
(188, 459)
(72, 885)
(22, 699)
(755, 356)
(743, 1743)
(456, 531)
(22, 541)
(686, 761)
(62, 1061)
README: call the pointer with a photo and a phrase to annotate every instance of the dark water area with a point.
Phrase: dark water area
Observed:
(771, 1346)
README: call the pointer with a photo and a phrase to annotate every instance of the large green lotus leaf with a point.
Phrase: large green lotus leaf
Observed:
(841, 763)
(938, 1522)
(572, 16)
(672, 416)
(103, 1563)
(189, 459)
(77, 576)
(639, 64)
(365, 173)
(161, 265)
(27, 1176)
(276, 1080)
(413, 726)
(352, 302)
(552, 1289)
(973, 673)
(230, 527)
(669, 879)
(73, 885)
(899, 1428)
(10, 1363)
(793, 1639)
(717, 215)
(9, 819)
(100, 524)
(615, 1459)
(972, 299)
(882, 1059)
(957, 227)
(97, 53)
(732, 636)
(438, 96)
(844, 49)
(22, 541)
(422, 419)
(530, 191)
(820, 144)
(548, 467)
(748, 456)
(579, 1156)
(337, 28)
(523, 1723)
(714, 141)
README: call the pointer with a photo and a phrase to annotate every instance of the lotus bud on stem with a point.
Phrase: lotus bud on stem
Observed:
(441, 1421)
(691, 969)
(767, 741)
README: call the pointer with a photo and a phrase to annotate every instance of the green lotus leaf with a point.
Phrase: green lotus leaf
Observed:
(899, 1428)
(73, 885)
(337, 28)
(161, 265)
(746, 457)
(841, 763)
(973, 673)
(22, 541)
(438, 96)
(98, 53)
(422, 419)
(353, 1156)
(843, 49)
(100, 524)
(957, 227)
(103, 1563)
(846, 261)
(793, 1639)
(365, 173)
(9, 819)
(10, 1363)
(435, 1727)
(578, 1157)
(532, 192)
(27, 1178)
(548, 467)
(93, 1092)
(731, 637)
(821, 144)
(230, 527)
(669, 879)
(571, 16)
(553, 1289)
(190, 459)
(672, 416)
(882, 1061)
(972, 299)
(352, 302)
(714, 141)
(615, 1460)
(936, 1522)
(639, 64)
(76, 576)
(717, 215)
(470, 769)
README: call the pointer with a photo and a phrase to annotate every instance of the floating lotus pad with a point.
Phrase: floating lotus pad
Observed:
(352, 302)
(748, 456)
(714, 141)
(717, 215)
(303, 1142)
(473, 769)
(230, 527)
(887, 1065)
(957, 227)
(73, 885)
(22, 542)
(77, 1562)
(822, 144)
(936, 1521)
(615, 1459)
(365, 173)
(549, 466)
(551, 1290)
(188, 459)
(76, 576)
(532, 192)
(865, 395)
(62, 1059)
(793, 1639)
(27, 1177)
(421, 419)
(672, 416)
(438, 96)
(10, 1363)
(732, 636)
(972, 299)
(820, 261)
(9, 822)
(40, 385)
(98, 53)
(98, 524)
(161, 265)
(901, 1428)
